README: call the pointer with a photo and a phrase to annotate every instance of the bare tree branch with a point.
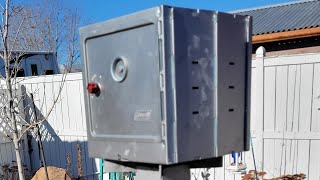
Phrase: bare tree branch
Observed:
(40, 121)
(22, 29)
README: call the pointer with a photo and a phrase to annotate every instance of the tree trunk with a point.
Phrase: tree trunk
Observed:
(18, 157)
(12, 115)
(13, 120)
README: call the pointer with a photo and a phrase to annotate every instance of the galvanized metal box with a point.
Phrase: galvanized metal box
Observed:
(174, 85)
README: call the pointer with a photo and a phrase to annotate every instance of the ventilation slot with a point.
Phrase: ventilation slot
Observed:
(231, 87)
(195, 62)
(231, 110)
(195, 87)
(162, 105)
(195, 112)
(231, 63)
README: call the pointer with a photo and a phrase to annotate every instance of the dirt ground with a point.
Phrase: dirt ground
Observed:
(53, 172)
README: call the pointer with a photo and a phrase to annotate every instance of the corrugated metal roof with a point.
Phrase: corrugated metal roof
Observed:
(284, 17)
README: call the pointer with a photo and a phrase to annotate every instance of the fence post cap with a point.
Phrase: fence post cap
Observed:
(261, 52)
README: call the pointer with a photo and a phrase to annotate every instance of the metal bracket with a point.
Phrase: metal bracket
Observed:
(150, 171)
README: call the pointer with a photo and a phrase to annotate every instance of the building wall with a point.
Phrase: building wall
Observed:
(43, 62)
(291, 47)
(305, 50)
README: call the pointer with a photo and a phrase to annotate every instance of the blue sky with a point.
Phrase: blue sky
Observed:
(100, 10)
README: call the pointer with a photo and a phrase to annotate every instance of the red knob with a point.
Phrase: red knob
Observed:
(93, 88)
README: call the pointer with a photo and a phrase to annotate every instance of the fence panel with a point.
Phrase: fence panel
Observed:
(285, 117)
(64, 133)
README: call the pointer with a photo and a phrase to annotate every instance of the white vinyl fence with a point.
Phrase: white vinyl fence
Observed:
(285, 121)
(286, 115)
(65, 130)
(285, 118)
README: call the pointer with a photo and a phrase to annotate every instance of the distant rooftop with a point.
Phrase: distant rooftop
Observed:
(284, 17)
(30, 52)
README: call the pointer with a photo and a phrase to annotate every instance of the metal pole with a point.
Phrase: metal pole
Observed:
(101, 169)
(43, 160)
(254, 160)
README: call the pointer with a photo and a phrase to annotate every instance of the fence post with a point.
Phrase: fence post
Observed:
(257, 132)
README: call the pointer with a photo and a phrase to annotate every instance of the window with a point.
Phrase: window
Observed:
(34, 70)
(48, 72)
(20, 73)
(17, 73)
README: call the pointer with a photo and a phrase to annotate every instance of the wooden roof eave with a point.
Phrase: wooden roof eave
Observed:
(279, 36)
